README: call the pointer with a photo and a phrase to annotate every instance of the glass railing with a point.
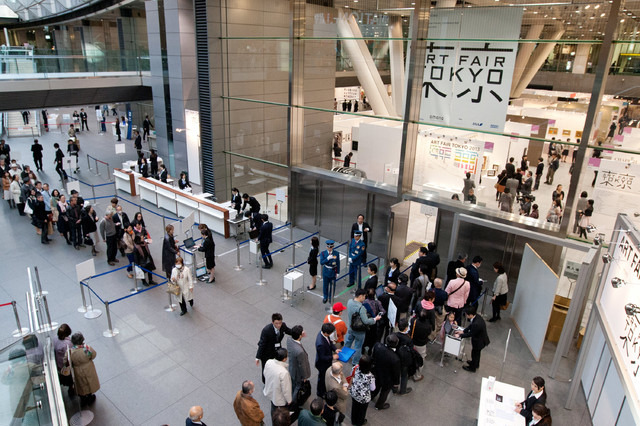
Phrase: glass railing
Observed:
(24, 384)
(48, 64)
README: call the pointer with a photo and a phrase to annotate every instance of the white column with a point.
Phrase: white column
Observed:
(524, 53)
(363, 65)
(540, 54)
(581, 58)
(396, 59)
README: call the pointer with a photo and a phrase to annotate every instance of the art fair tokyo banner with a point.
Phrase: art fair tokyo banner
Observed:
(467, 83)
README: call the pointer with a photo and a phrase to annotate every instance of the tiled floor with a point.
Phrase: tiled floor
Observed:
(161, 364)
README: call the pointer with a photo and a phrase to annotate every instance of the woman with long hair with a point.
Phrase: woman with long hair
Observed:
(312, 260)
(500, 291)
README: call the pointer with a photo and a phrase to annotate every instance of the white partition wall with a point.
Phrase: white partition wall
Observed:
(533, 300)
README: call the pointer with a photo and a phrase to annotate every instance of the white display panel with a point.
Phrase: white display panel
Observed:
(533, 300)
(610, 400)
(593, 359)
(192, 122)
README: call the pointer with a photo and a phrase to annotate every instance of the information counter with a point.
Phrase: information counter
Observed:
(125, 181)
(497, 404)
(182, 203)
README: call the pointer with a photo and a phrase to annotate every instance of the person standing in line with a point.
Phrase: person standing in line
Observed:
(265, 238)
(336, 319)
(109, 234)
(362, 385)
(74, 213)
(142, 256)
(330, 262)
(73, 150)
(169, 251)
(60, 347)
(118, 131)
(246, 407)
(80, 358)
(326, 353)
(182, 277)
(128, 241)
(299, 368)
(312, 261)
(500, 291)
(473, 276)
(36, 149)
(59, 162)
(83, 119)
(121, 220)
(468, 184)
(5, 150)
(477, 331)
(335, 382)
(89, 226)
(146, 127)
(387, 370)
(41, 218)
(6, 188)
(277, 384)
(356, 250)
(347, 160)
(270, 340)
(195, 416)
(393, 271)
(313, 416)
(458, 291)
(357, 322)
(209, 249)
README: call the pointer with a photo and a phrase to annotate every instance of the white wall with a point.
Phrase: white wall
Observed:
(378, 145)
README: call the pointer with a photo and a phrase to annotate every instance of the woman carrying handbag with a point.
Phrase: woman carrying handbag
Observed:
(182, 287)
(500, 291)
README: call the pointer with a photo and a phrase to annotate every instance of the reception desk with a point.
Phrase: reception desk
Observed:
(182, 203)
(497, 405)
(125, 180)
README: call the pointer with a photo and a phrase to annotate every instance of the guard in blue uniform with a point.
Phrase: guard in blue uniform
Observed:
(356, 252)
(330, 261)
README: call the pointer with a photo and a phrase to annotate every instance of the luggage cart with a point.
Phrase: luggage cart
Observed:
(453, 346)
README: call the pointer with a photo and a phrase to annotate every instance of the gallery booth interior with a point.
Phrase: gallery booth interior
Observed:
(270, 97)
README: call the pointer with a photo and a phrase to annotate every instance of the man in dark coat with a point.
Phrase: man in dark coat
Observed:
(40, 218)
(169, 251)
(477, 330)
(433, 260)
(404, 294)
(473, 276)
(325, 354)
(421, 260)
(265, 239)
(453, 265)
(270, 339)
(386, 371)
(365, 228)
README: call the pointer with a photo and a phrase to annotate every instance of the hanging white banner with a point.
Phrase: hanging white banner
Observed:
(467, 83)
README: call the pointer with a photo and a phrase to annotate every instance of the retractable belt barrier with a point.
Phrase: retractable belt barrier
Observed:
(93, 188)
(97, 171)
(19, 332)
(111, 331)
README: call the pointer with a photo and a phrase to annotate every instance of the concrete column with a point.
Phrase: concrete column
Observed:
(363, 65)
(581, 59)
(524, 53)
(538, 57)
(396, 58)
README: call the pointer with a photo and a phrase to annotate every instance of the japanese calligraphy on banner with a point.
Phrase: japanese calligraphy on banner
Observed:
(618, 176)
(625, 329)
(467, 83)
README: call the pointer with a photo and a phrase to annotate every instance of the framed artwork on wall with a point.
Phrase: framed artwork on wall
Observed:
(578, 134)
(566, 133)
(553, 130)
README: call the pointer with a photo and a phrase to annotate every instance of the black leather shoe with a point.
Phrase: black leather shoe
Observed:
(182, 313)
(324, 300)
(469, 369)
(384, 407)
(405, 392)
(493, 320)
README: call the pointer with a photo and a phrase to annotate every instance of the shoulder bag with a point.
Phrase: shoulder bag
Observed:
(356, 322)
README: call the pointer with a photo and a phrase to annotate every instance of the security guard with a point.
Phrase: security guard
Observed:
(330, 261)
(356, 252)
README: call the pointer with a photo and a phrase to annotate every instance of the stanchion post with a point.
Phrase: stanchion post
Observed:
(238, 266)
(110, 332)
(97, 169)
(135, 288)
(49, 325)
(93, 191)
(19, 332)
(262, 281)
(88, 163)
(83, 308)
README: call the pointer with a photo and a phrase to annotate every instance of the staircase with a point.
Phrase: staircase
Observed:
(17, 65)
(16, 127)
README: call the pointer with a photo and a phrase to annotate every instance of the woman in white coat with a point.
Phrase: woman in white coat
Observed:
(500, 291)
(182, 276)
(15, 189)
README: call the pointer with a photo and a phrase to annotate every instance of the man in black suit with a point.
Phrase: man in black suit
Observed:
(473, 276)
(326, 352)
(254, 205)
(387, 370)
(453, 265)
(270, 340)
(389, 294)
(404, 294)
(363, 227)
(83, 119)
(195, 416)
(477, 330)
(265, 239)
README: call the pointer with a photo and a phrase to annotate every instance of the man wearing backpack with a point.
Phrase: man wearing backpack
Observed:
(337, 337)
(358, 320)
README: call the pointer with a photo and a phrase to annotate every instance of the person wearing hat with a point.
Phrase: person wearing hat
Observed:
(458, 290)
(330, 261)
(356, 250)
(341, 327)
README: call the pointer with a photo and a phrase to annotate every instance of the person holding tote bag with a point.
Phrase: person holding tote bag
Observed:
(181, 277)
(500, 291)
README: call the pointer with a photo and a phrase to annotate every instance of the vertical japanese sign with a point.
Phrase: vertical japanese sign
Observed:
(625, 329)
(467, 83)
